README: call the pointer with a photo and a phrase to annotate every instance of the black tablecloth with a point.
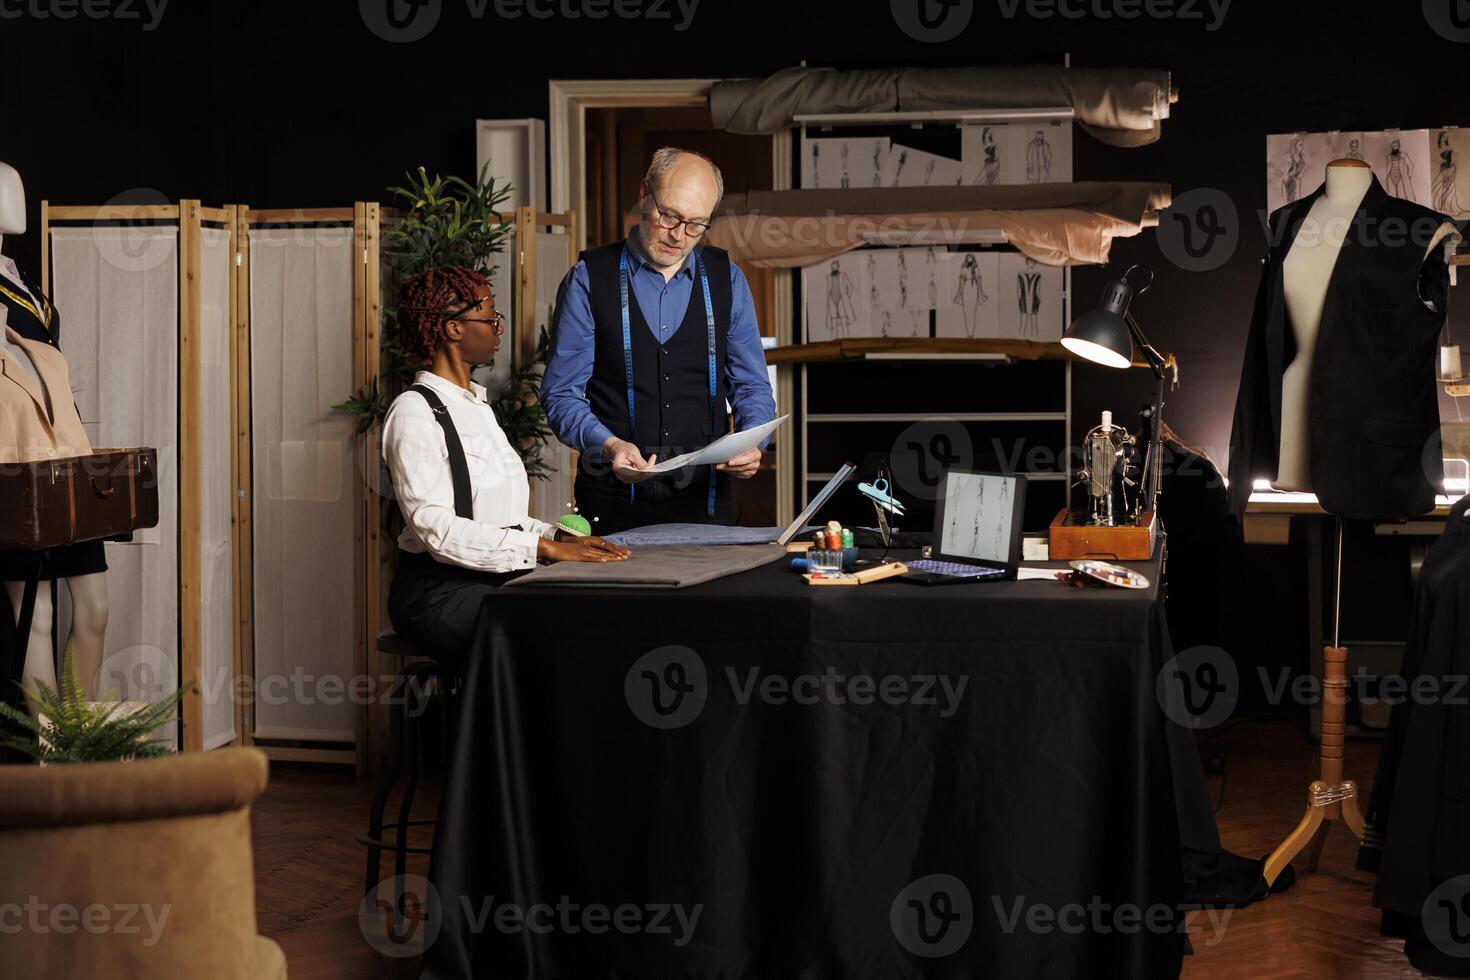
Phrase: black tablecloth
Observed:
(1050, 792)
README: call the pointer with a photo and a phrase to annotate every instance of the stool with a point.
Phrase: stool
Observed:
(415, 685)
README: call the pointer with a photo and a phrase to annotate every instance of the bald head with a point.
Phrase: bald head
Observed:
(679, 185)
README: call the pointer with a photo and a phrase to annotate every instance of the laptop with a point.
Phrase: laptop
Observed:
(977, 530)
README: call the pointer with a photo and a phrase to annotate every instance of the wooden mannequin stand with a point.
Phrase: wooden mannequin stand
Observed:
(1329, 798)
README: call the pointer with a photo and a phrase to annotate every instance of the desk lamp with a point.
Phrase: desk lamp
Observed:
(1107, 335)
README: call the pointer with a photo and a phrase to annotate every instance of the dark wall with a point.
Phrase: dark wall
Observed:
(279, 104)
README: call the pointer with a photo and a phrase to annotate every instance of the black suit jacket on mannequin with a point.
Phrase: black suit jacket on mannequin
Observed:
(1375, 440)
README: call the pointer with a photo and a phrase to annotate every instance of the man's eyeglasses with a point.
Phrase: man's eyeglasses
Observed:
(668, 221)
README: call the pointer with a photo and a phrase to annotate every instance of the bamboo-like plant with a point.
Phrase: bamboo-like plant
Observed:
(449, 221)
(72, 729)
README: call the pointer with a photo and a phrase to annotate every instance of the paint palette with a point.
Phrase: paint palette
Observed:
(1106, 571)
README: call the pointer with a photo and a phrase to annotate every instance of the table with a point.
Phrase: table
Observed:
(1004, 798)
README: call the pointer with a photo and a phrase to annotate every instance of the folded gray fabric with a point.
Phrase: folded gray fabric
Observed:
(666, 567)
(659, 535)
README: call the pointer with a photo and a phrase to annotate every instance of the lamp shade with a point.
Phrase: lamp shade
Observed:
(1102, 335)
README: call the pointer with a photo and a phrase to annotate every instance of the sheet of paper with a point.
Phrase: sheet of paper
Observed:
(722, 450)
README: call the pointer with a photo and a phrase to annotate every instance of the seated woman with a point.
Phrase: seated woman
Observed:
(460, 485)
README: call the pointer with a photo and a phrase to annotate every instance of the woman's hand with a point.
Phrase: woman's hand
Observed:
(568, 547)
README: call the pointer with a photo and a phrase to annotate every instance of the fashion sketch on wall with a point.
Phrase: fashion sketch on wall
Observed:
(968, 305)
(1033, 310)
(1038, 159)
(909, 167)
(1038, 152)
(838, 300)
(980, 154)
(1448, 192)
(1406, 162)
(831, 162)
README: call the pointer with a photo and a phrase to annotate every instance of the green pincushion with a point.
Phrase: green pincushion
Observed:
(575, 523)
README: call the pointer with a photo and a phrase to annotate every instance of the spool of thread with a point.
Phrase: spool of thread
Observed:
(1450, 368)
(834, 540)
(846, 539)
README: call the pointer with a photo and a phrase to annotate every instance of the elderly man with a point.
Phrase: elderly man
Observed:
(651, 339)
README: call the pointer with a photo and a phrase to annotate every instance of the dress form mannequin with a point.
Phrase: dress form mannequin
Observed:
(1306, 276)
(88, 592)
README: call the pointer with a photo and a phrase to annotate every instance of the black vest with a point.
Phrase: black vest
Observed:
(43, 325)
(672, 408)
(1375, 449)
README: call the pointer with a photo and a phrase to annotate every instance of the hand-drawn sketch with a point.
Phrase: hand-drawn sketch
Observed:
(840, 313)
(931, 268)
(816, 167)
(1296, 163)
(1036, 312)
(990, 165)
(879, 153)
(837, 300)
(832, 162)
(970, 293)
(1028, 298)
(970, 529)
(1404, 162)
(1038, 159)
(966, 287)
(1400, 171)
(1452, 183)
(1445, 199)
(915, 168)
(903, 280)
(846, 179)
(887, 328)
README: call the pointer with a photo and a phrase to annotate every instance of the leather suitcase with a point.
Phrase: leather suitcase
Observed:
(54, 502)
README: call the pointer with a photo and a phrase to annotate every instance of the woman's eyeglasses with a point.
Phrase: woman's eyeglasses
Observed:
(496, 321)
(668, 221)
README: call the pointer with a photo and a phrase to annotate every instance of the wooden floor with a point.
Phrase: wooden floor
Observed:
(309, 873)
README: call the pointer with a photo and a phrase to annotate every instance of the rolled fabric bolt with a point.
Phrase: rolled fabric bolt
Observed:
(1450, 368)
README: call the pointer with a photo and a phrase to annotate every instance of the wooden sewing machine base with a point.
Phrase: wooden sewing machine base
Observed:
(1331, 798)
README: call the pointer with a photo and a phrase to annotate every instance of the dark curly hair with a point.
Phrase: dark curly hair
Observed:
(427, 300)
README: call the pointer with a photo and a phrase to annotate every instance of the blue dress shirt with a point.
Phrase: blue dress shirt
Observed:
(664, 304)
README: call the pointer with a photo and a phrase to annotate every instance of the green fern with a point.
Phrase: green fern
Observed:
(75, 730)
(446, 220)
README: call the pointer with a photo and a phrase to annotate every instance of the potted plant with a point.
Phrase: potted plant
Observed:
(450, 221)
(69, 728)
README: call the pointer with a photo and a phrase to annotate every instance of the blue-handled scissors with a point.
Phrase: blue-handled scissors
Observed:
(877, 491)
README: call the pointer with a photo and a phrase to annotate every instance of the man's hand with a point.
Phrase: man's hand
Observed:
(626, 460)
(580, 549)
(744, 466)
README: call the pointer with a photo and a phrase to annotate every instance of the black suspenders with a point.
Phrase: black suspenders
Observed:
(459, 470)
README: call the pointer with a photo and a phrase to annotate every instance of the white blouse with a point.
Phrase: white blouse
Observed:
(501, 537)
